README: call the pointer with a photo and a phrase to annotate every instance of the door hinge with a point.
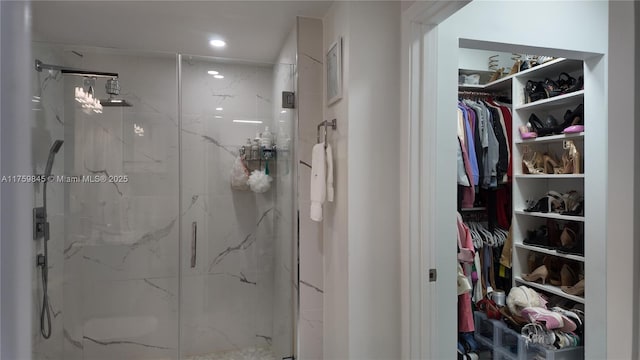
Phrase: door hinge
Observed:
(433, 275)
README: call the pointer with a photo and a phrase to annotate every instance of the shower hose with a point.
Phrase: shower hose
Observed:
(43, 262)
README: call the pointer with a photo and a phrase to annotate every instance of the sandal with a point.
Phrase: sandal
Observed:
(551, 88)
(573, 203)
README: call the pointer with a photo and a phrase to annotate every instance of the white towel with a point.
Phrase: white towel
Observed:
(321, 188)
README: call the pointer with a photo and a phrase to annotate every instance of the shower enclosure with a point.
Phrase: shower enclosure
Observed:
(152, 254)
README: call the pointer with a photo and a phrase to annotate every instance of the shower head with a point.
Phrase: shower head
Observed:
(113, 88)
(114, 102)
(52, 153)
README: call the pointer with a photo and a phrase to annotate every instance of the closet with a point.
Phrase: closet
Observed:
(543, 189)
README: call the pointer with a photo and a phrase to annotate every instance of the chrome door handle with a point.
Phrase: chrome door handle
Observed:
(194, 241)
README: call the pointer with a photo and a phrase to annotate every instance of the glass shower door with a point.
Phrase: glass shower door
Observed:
(237, 245)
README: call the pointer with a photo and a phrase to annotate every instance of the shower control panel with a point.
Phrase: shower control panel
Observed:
(40, 224)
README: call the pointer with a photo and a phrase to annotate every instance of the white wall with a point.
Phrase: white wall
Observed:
(362, 269)
(16, 243)
(335, 240)
(622, 260)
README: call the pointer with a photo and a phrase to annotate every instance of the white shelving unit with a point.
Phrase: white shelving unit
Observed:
(531, 187)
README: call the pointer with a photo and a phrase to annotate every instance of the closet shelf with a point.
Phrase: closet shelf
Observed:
(551, 215)
(550, 289)
(551, 69)
(470, 87)
(550, 176)
(556, 101)
(552, 138)
(549, 252)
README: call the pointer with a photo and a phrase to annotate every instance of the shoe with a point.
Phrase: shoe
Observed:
(578, 85)
(541, 273)
(567, 164)
(573, 129)
(551, 165)
(526, 134)
(577, 289)
(573, 315)
(539, 238)
(515, 68)
(573, 155)
(497, 75)
(548, 127)
(551, 320)
(535, 333)
(567, 276)
(532, 163)
(573, 203)
(535, 91)
(554, 234)
(551, 88)
(569, 241)
(552, 201)
(572, 118)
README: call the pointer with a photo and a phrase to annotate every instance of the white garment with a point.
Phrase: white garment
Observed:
(321, 188)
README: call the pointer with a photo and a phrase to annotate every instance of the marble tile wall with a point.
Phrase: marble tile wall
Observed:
(228, 297)
(310, 60)
(121, 251)
(48, 126)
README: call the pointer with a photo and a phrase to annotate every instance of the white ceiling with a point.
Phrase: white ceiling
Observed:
(253, 30)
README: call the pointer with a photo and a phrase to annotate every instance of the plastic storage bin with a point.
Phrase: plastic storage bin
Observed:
(536, 352)
(486, 329)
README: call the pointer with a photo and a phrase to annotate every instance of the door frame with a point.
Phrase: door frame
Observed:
(426, 333)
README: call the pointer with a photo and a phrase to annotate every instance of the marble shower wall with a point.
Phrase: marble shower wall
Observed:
(48, 126)
(121, 251)
(229, 296)
(113, 278)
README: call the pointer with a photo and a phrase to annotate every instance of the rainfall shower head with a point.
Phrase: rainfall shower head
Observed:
(113, 88)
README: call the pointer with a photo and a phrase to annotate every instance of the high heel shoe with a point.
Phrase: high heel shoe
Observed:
(577, 289)
(573, 155)
(573, 203)
(526, 133)
(551, 165)
(548, 127)
(569, 241)
(567, 276)
(532, 163)
(567, 164)
(541, 273)
(573, 121)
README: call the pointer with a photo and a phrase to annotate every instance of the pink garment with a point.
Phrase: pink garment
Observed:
(465, 313)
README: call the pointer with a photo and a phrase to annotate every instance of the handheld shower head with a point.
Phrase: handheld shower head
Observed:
(52, 153)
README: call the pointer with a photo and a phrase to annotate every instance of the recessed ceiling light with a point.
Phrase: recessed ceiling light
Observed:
(283, 111)
(248, 121)
(218, 117)
(212, 72)
(217, 43)
(219, 108)
(218, 76)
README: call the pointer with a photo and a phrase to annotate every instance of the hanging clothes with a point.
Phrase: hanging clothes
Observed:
(466, 255)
